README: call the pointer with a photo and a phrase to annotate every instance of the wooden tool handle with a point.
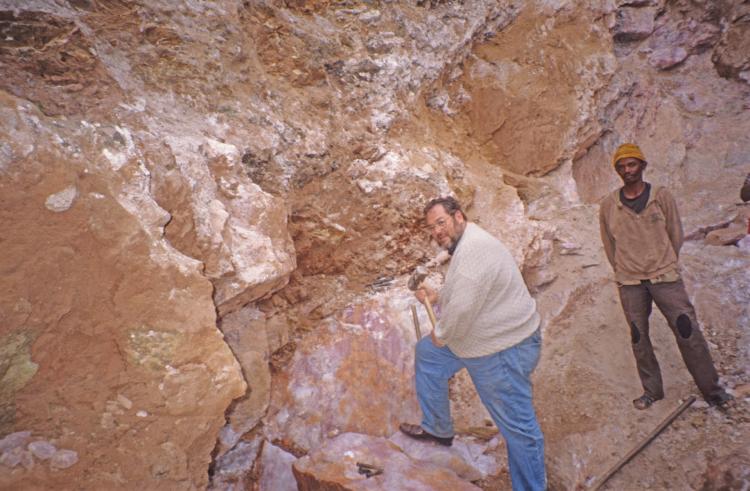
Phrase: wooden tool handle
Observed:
(430, 312)
(415, 318)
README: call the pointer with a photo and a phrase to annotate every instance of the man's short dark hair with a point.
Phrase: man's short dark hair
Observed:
(449, 204)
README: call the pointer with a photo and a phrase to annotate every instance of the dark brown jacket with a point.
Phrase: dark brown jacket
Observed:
(642, 246)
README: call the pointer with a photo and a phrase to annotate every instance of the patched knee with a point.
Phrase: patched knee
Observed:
(635, 334)
(684, 326)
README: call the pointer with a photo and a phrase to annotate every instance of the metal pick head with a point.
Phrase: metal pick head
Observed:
(417, 277)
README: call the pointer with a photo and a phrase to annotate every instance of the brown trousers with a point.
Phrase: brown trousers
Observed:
(674, 304)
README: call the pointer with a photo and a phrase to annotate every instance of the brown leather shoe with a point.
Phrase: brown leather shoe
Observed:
(418, 433)
(643, 402)
(723, 402)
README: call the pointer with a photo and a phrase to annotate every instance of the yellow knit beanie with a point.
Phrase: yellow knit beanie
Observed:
(627, 150)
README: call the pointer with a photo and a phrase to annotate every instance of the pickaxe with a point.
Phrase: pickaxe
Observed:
(415, 281)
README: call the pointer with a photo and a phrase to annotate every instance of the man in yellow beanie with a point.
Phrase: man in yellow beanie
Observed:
(642, 236)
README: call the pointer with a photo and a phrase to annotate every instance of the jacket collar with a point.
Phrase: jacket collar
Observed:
(651, 197)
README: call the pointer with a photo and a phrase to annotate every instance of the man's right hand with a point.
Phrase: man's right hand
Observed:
(426, 291)
(435, 340)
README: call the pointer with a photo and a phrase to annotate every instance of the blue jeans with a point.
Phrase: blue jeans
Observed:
(502, 381)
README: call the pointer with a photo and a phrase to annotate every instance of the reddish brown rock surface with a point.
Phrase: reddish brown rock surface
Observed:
(109, 335)
(354, 375)
(165, 162)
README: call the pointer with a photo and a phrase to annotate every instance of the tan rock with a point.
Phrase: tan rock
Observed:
(520, 119)
(730, 56)
(231, 224)
(725, 236)
(634, 23)
(667, 58)
(466, 457)
(245, 332)
(334, 467)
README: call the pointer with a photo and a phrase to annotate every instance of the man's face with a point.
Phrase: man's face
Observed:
(630, 170)
(444, 228)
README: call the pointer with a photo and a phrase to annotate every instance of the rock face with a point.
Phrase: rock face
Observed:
(109, 334)
(731, 56)
(247, 339)
(209, 211)
(276, 469)
(354, 375)
(519, 93)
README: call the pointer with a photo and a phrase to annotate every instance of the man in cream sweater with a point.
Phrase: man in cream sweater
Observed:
(489, 325)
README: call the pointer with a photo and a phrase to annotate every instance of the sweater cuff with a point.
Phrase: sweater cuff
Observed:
(440, 333)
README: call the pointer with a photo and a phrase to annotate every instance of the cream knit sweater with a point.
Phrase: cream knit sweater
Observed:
(484, 304)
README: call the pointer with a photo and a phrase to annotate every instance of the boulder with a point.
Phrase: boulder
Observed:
(667, 58)
(334, 467)
(634, 23)
(353, 374)
(220, 217)
(466, 457)
(726, 236)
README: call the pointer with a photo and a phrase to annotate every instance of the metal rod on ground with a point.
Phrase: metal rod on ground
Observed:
(619, 465)
(417, 331)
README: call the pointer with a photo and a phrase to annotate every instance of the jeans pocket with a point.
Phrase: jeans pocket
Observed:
(534, 339)
(537, 336)
(529, 352)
